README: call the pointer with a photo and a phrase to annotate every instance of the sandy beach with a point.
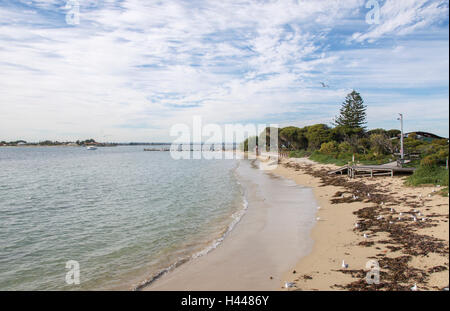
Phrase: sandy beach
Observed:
(408, 250)
(341, 220)
(269, 239)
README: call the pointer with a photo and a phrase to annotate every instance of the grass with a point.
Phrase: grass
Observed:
(340, 159)
(426, 175)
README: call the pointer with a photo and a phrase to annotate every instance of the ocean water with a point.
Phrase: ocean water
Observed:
(123, 214)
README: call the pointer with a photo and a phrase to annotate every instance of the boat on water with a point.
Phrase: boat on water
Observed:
(91, 148)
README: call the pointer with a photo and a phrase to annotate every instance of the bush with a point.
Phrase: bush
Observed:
(329, 148)
(426, 175)
(345, 147)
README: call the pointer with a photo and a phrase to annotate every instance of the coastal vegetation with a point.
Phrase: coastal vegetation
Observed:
(348, 140)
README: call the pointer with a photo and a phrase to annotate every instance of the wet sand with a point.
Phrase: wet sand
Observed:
(269, 240)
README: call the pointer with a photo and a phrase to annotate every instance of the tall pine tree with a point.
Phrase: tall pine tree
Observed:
(353, 112)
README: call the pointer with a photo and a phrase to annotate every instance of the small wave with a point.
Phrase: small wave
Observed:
(237, 216)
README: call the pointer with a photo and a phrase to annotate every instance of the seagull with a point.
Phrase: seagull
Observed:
(414, 219)
(368, 195)
(356, 225)
(392, 210)
(318, 218)
(379, 217)
(401, 214)
(344, 265)
(365, 236)
(382, 203)
(391, 222)
(414, 288)
(423, 219)
(289, 285)
(324, 85)
(419, 214)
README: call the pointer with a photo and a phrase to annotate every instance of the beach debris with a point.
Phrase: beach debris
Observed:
(414, 288)
(318, 207)
(401, 214)
(380, 217)
(344, 265)
(289, 285)
(392, 210)
(419, 214)
(271, 278)
(294, 272)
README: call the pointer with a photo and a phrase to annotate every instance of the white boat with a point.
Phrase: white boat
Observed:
(91, 148)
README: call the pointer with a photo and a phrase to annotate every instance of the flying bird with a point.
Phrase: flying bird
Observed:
(324, 85)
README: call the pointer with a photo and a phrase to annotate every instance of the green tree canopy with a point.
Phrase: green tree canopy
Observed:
(353, 112)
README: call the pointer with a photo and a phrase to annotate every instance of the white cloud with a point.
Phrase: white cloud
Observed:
(133, 68)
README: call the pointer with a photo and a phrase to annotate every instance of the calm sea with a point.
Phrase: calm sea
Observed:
(123, 214)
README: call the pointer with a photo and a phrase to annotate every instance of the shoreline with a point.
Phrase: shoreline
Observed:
(401, 257)
(270, 237)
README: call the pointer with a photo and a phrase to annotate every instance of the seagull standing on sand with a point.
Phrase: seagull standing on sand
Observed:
(289, 285)
(365, 236)
(356, 225)
(344, 265)
(414, 288)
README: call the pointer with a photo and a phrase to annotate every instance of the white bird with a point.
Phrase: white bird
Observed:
(399, 218)
(379, 217)
(423, 219)
(344, 265)
(318, 207)
(365, 236)
(391, 222)
(289, 285)
(415, 210)
(414, 288)
(414, 219)
(392, 210)
(318, 218)
(382, 203)
(420, 214)
(368, 195)
(356, 225)
(401, 214)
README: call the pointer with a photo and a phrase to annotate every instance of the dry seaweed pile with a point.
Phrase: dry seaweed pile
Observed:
(401, 228)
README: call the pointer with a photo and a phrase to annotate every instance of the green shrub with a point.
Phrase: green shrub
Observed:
(429, 175)
(329, 148)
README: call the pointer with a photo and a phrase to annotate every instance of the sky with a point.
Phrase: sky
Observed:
(128, 70)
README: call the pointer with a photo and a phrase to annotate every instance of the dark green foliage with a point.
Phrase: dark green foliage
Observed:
(426, 175)
(317, 135)
(353, 112)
